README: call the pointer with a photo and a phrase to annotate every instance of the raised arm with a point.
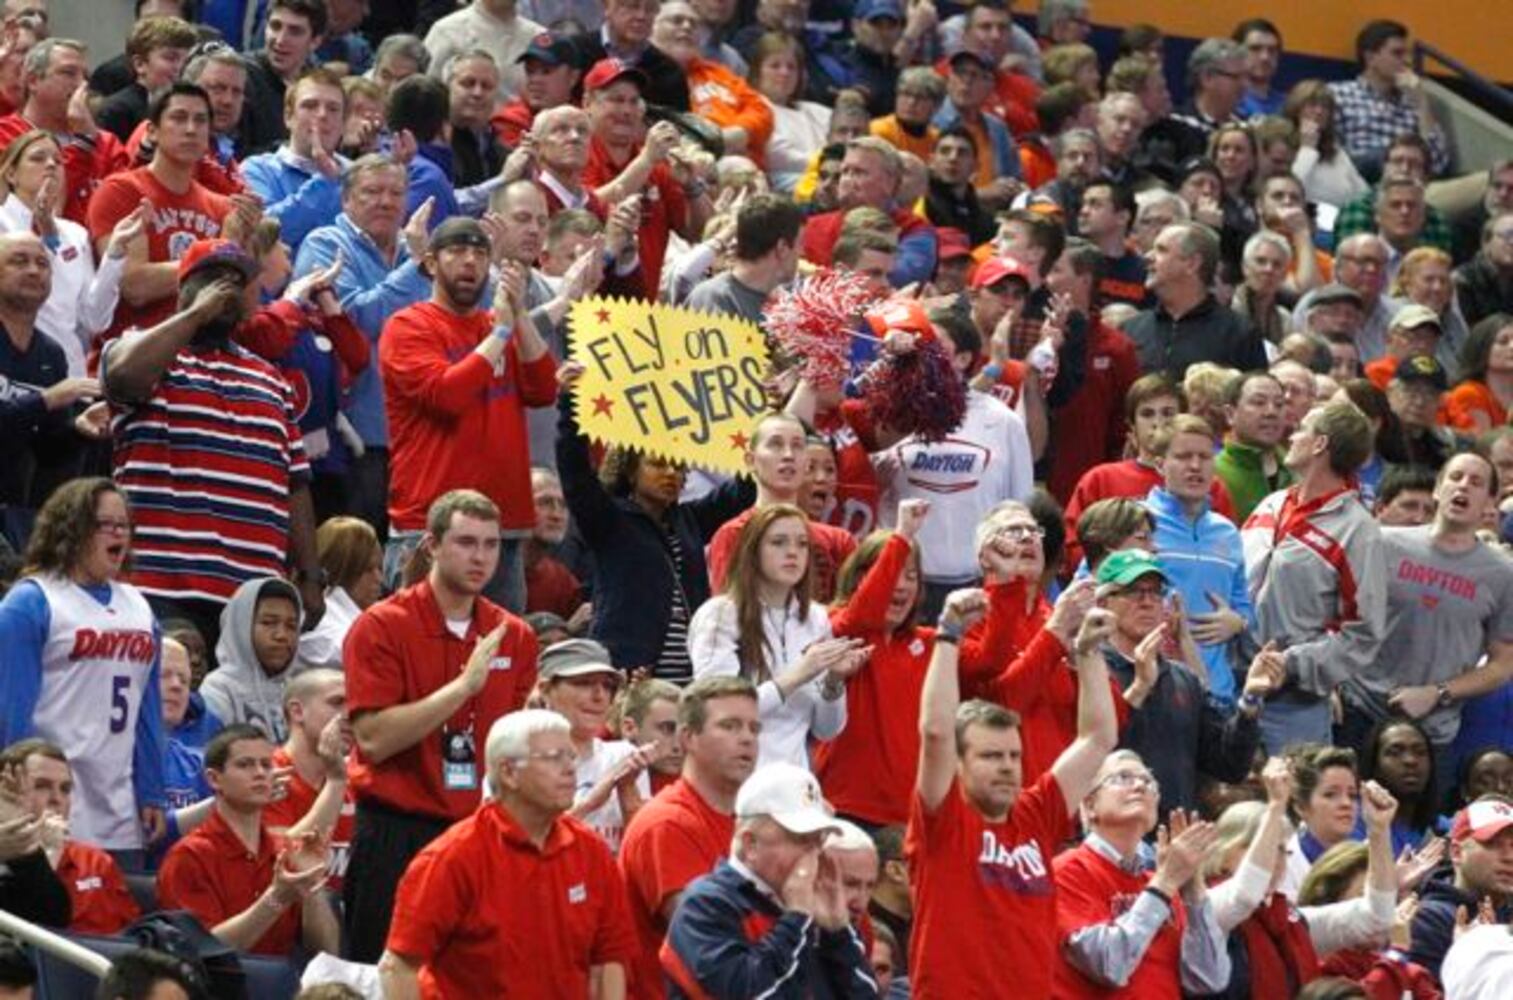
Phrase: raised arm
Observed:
(133, 365)
(941, 696)
(1097, 724)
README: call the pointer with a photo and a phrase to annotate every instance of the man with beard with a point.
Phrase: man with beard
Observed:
(209, 520)
(457, 379)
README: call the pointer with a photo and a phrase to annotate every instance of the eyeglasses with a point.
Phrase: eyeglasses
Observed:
(1145, 591)
(564, 758)
(113, 527)
(1021, 532)
(1364, 262)
(1138, 781)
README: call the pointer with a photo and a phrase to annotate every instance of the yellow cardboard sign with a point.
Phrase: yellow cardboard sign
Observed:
(680, 383)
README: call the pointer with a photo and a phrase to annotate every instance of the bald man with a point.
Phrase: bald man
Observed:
(37, 397)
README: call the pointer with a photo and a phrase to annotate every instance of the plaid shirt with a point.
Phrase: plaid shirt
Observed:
(1360, 217)
(1367, 123)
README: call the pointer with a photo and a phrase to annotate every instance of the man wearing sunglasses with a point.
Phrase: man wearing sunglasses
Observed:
(1173, 724)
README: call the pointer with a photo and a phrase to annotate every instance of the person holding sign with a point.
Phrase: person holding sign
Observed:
(648, 547)
(768, 630)
(457, 379)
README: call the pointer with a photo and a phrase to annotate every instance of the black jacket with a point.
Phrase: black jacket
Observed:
(633, 570)
(1210, 332)
(30, 889)
(262, 122)
(1482, 290)
(667, 87)
(1180, 732)
(1433, 930)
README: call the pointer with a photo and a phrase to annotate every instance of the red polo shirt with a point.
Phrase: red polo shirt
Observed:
(102, 902)
(297, 803)
(400, 650)
(211, 874)
(674, 839)
(664, 207)
(487, 913)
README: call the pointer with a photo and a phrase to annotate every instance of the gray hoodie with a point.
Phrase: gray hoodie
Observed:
(239, 689)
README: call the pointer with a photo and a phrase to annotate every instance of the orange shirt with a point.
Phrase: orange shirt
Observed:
(294, 806)
(674, 839)
(1470, 398)
(487, 913)
(1381, 370)
(102, 902)
(984, 900)
(891, 129)
(211, 874)
(1037, 163)
(716, 93)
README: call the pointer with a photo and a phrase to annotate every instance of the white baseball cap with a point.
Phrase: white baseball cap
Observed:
(788, 794)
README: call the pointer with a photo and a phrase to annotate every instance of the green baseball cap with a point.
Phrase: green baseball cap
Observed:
(1124, 567)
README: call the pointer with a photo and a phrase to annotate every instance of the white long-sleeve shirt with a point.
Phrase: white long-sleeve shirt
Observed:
(1350, 923)
(84, 297)
(1334, 182)
(787, 724)
(984, 461)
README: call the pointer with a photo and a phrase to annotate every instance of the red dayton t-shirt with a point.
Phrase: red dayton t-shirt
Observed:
(674, 839)
(487, 913)
(984, 901)
(177, 221)
(400, 650)
(298, 801)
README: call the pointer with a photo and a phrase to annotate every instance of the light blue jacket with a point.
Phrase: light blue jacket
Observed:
(1005, 151)
(371, 288)
(293, 192)
(1203, 557)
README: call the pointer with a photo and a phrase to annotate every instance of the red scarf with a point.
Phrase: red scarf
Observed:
(1282, 960)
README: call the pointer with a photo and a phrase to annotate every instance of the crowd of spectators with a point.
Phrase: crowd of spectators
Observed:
(1180, 664)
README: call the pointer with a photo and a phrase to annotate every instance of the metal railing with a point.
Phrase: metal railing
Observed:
(54, 944)
(1496, 98)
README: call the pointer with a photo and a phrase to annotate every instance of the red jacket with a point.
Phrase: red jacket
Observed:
(869, 769)
(86, 162)
(817, 241)
(454, 419)
(1090, 427)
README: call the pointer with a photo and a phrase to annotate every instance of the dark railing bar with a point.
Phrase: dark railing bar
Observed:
(1494, 92)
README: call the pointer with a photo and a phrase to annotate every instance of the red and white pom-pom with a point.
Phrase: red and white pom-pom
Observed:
(814, 321)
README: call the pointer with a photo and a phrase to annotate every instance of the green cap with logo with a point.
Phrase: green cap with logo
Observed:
(1124, 567)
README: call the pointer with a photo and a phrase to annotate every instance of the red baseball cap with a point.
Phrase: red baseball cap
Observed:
(901, 314)
(953, 244)
(1483, 820)
(208, 253)
(995, 269)
(607, 71)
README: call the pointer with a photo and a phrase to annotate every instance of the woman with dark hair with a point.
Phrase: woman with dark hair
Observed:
(1397, 754)
(648, 547)
(351, 558)
(766, 628)
(1488, 771)
(1387, 440)
(799, 127)
(79, 654)
(1481, 400)
(1324, 805)
(1326, 170)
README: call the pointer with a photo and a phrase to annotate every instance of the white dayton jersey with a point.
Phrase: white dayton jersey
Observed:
(96, 665)
(982, 462)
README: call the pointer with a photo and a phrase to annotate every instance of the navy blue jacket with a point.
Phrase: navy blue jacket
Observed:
(633, 569)
(727, 939)
(1434, 923)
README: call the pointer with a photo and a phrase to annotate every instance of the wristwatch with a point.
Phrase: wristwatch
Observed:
(1445, 698)
(1251, 704)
